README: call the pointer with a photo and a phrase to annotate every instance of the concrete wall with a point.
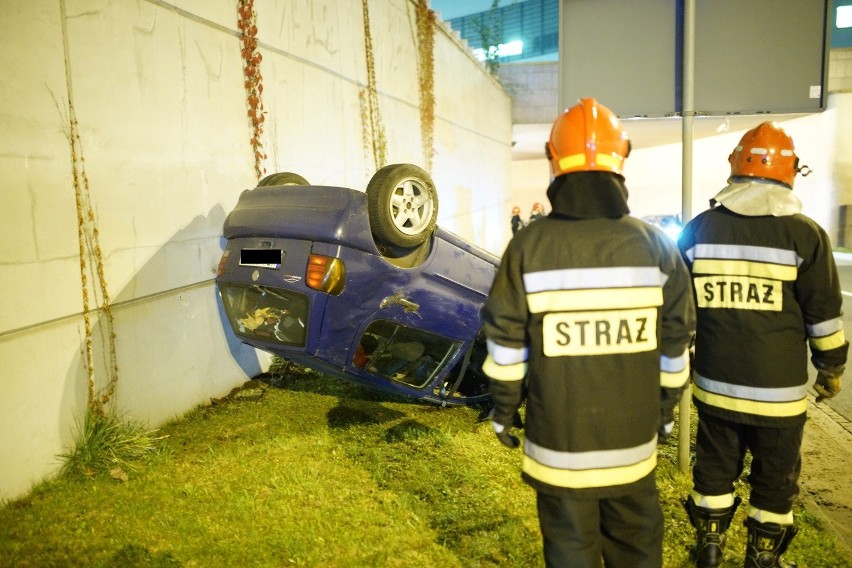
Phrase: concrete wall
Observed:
(840, 83)
(840, 70)
(157, 91)
(535, 90)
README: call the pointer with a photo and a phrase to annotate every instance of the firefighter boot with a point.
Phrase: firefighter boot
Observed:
(766, 543)
(710, 526)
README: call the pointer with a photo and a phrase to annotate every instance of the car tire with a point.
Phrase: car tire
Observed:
(403, 205)
(282, 178)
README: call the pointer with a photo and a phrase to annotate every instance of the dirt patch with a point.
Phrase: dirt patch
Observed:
(826, 482)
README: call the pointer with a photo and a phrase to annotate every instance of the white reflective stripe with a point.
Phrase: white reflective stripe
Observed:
(674, 364)
(825, 328)
(592, 459)
(745, 252)
(783, 394)
(713, 501)
(586, 278)
(506, 355)
(763, 516)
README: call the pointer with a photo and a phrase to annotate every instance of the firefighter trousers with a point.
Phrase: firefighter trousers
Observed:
(624, 531)
(720, 450)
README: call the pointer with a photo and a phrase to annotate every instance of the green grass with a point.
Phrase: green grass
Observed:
(110, 444)
(319, 472)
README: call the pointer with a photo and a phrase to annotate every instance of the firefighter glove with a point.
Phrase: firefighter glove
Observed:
(503, 435)
(826, 385)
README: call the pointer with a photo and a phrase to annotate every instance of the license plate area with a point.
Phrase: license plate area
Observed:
(261, 257)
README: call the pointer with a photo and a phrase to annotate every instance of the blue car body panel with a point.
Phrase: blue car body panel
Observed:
(442, 296)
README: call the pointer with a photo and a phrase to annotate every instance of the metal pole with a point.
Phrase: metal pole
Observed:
(686, 198)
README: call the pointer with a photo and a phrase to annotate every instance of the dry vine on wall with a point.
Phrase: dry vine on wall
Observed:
(374, 131)
(91, 265)
(426, 74)
(247, 23)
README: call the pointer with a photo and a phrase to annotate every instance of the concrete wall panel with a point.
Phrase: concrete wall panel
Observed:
(157, 89)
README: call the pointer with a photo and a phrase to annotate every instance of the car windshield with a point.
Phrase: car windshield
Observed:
(403, 354)
(270, 314)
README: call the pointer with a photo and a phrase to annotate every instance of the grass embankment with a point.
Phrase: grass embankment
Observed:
(320, 473)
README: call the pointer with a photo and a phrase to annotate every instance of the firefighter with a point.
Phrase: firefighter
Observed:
(588, 322)
(517, 222)
(537, 212)
(766, 287)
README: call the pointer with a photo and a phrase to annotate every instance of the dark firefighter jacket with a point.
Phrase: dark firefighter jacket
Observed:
(765, 286)
(589, 320)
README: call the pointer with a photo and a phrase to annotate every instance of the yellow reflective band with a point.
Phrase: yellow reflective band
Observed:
(578, 479)
(833, 341)
(609, 161)
(596, 299)
(513, 372)
(739, 292)
(786, 273)
(572, 161)
(599, 333)
(776, 409)
(674, 380)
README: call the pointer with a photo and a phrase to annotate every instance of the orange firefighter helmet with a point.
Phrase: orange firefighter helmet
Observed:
(587, 137)
(766, 151)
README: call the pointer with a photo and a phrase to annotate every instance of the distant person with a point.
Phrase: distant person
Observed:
(517, 223)
(537, 212)
(589, 320)
(766, 287)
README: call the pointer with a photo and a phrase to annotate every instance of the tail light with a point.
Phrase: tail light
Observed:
(326, 274)
(221, 269)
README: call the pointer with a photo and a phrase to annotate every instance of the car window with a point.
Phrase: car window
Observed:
(270, 314)
(401, 353)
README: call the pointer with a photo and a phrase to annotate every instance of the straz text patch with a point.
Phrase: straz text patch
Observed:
(739, 292)
(600, 332)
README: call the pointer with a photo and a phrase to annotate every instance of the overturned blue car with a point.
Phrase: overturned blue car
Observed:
(360, 285)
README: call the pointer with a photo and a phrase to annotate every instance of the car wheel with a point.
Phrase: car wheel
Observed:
(282, 178)
(402, 204)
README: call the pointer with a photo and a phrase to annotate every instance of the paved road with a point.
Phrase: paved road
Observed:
(827, 447)
(842, 403)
